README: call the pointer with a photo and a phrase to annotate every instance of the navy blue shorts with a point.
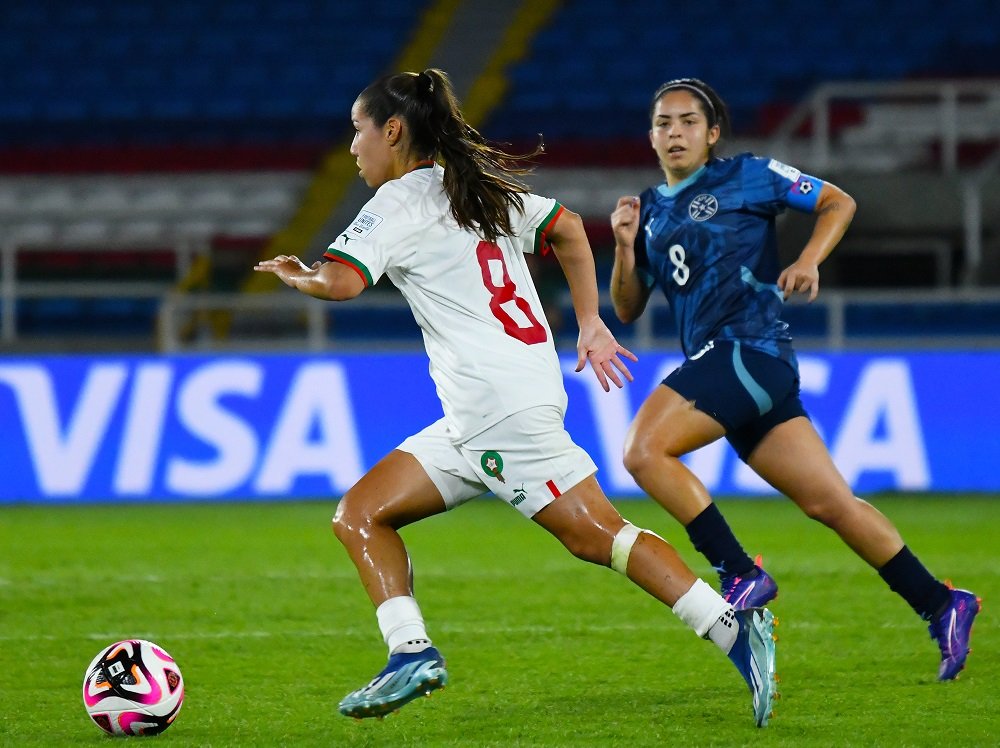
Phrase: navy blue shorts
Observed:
(747, 391)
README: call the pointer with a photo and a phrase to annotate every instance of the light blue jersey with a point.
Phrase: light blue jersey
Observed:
(710, 244)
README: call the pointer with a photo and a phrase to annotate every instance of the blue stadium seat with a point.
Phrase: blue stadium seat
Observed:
(391, 323)
(68, 68)
(753, 63)
(105, 317)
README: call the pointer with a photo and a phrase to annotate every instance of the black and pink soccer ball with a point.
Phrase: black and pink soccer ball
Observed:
(133, 687)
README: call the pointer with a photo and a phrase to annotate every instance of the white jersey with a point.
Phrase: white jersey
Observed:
(490, 347)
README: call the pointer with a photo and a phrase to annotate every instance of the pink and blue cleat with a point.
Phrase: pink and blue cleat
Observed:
(753, 590)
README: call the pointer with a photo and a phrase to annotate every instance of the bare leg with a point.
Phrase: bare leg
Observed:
(666, 427)
(586, 523)
(394, 493)
(794, 460)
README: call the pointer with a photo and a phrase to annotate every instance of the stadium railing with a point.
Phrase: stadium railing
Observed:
(945, 114)
(15, 290)
(141, 234)
(951, 112)
(933, 124)
(838, 320)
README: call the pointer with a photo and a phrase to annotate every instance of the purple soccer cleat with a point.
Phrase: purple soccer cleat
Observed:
(952, 631)
(744, 592)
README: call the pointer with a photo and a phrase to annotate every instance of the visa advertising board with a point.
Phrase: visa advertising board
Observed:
(220, 427)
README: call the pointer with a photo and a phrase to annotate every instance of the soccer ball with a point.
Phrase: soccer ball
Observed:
(133, 687)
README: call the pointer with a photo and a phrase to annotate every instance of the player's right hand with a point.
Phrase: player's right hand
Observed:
(625, 221)
(287, 267)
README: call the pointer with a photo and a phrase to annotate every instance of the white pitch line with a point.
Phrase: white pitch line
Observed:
(371, 632)
(347, 575)
(323, 633)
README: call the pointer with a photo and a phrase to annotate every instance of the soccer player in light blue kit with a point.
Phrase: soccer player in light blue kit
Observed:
(707, 238)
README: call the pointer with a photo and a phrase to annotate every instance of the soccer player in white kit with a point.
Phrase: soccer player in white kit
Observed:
(453, 239)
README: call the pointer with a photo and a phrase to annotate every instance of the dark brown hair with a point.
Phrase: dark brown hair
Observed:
(480, 179)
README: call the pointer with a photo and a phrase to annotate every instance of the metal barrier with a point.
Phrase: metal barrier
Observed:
(966, 318)
(13, 288)
(948, 112)
(941, 97)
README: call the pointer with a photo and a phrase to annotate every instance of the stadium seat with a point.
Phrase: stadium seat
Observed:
(147, 94)
(846, 45)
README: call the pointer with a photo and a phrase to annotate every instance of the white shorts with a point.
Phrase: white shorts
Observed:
(528, 460)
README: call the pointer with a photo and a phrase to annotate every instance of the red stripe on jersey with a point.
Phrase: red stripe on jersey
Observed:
(351, 265)
(552, 487)
(546, 244)
(553, 220)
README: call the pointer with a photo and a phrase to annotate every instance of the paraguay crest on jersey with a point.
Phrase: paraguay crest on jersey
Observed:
(703, 207)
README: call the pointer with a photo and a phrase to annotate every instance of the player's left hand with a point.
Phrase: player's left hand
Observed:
(597, 345)
(800, 277)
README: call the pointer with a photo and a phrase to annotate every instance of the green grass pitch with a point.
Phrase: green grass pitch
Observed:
(262, 610)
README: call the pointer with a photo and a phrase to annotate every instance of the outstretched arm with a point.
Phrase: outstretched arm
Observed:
(331, 281)
(628, 293)
(834, 211)
(596, 343)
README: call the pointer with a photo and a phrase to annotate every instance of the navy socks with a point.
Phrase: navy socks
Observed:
(711, 536)
(909, 579)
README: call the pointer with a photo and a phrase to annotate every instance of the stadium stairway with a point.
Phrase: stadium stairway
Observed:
(475, 45)
(474, 41)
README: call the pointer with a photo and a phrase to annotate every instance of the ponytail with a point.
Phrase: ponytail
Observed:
(480, 179)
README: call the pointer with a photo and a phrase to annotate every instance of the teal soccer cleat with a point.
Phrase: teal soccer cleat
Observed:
(753, 655)
(404, 678)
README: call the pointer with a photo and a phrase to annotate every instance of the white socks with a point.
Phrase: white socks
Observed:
(724, 631)
(402, 625)
(711, 617)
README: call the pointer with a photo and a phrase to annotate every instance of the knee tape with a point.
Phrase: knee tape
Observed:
(621, 546)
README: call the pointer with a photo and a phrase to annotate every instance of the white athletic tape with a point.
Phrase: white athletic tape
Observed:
(621, 547)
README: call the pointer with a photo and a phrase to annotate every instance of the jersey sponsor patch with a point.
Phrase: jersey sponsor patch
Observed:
(788, 172)
(364, 224)
(703, 207)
